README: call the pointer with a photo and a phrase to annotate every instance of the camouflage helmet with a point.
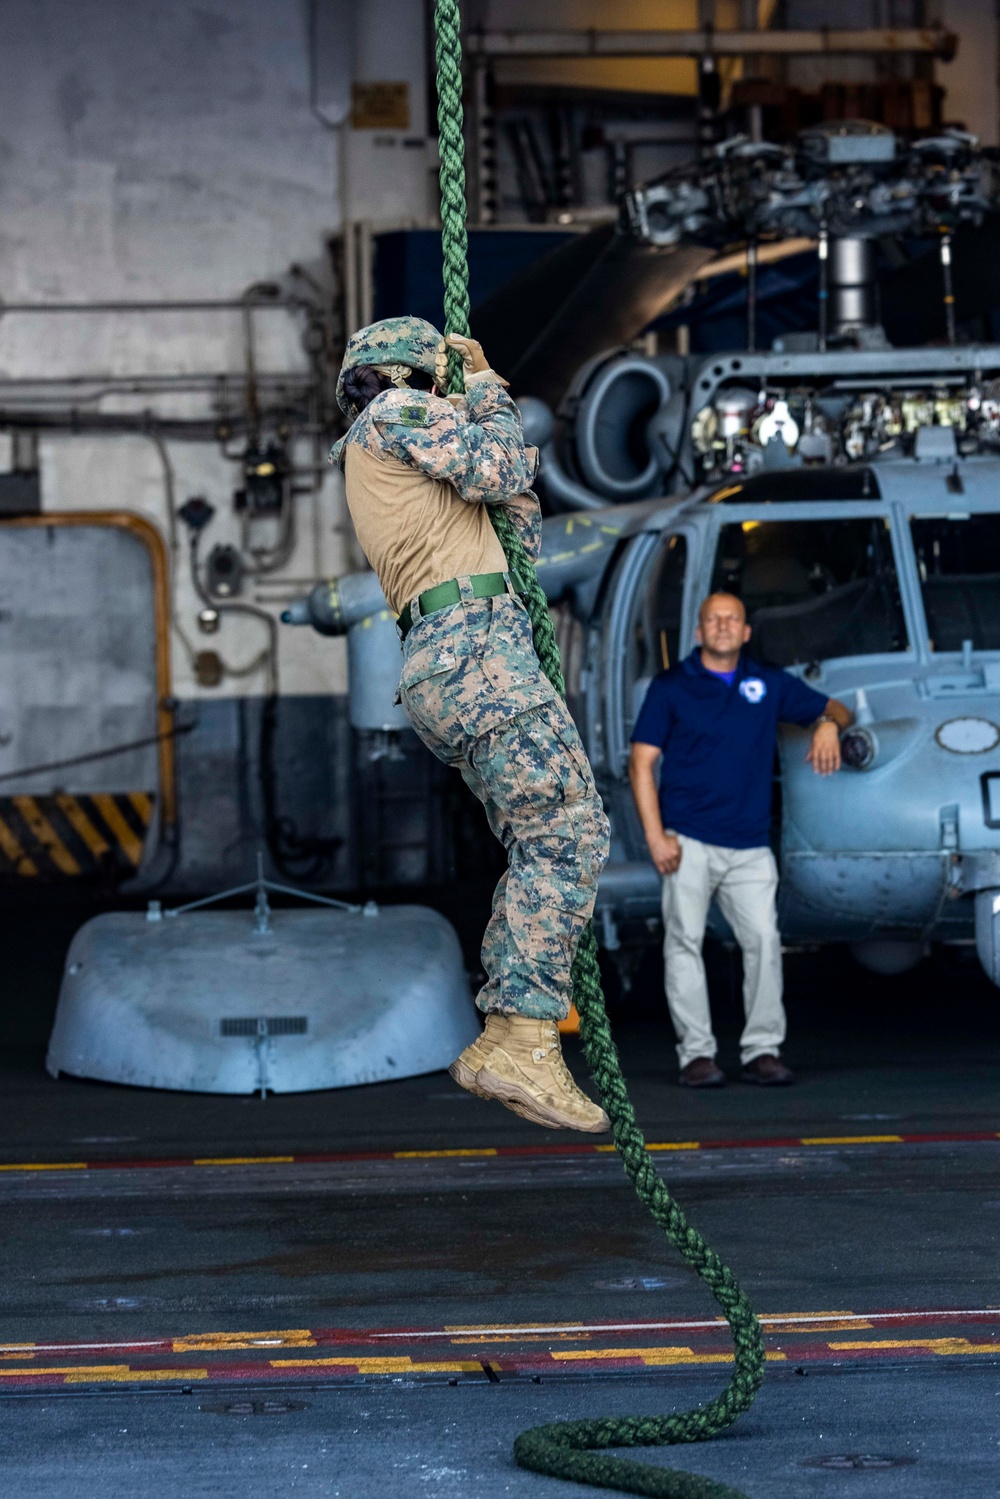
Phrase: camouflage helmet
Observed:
(395, 340)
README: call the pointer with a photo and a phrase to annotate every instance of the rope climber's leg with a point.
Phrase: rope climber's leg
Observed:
(541, 789)
(527, 765)
(536, 775)
(496, 938)
(573, 1449)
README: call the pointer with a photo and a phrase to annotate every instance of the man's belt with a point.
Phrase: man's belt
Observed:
(484, 586)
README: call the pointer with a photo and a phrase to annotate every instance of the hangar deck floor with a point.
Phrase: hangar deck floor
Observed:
(371, 1313)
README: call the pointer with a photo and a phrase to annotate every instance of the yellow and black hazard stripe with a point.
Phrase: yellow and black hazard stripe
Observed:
(63, 837)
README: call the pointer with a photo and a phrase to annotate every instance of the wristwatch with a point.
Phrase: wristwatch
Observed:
(825, 718)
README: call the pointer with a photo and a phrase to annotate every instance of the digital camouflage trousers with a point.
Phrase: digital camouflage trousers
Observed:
(475, 694)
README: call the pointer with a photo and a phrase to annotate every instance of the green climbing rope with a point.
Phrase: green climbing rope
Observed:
(572, 1449)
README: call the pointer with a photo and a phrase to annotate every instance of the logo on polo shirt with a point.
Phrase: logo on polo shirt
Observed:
(753, 689)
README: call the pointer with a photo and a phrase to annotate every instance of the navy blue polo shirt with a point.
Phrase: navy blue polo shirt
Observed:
(718, 745)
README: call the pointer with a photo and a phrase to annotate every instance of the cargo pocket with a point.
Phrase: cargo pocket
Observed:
(508, 660)
(552, 935)
(429, 651)
(537, 761)
(428, 687)
(554, 737)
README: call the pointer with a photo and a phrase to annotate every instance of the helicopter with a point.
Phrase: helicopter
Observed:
(848, 492)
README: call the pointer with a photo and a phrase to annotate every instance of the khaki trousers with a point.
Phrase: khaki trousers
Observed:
(744, 881)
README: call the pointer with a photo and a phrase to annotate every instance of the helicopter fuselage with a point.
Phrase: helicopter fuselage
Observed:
(879, 583)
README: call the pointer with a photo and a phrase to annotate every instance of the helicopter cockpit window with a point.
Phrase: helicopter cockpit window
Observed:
(814, 589)
(654, 638)
(958, 558)
(658, 636)
(790, 486)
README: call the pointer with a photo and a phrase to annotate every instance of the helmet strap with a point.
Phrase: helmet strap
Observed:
(399, 374)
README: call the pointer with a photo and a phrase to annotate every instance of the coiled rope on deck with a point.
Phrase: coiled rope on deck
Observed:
(572, 1449)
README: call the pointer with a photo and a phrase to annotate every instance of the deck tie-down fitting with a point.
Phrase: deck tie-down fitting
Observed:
(571, 1449)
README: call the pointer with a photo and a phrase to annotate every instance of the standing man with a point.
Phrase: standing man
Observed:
(420, 472)
(713, 719)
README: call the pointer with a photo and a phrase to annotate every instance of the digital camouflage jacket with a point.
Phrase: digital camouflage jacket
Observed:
(476, 446)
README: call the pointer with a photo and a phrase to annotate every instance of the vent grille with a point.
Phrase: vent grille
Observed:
(264, 1025)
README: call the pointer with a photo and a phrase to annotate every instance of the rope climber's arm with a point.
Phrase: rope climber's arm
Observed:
(526, 517)
(480, 452)
(524, 511)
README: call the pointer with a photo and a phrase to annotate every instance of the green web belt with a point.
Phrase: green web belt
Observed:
(575, 1449)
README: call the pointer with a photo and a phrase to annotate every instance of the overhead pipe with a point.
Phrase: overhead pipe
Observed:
(335, 604)
(933, 41)
(204, 304)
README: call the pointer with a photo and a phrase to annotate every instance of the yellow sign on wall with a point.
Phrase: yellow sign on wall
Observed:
(380, 106)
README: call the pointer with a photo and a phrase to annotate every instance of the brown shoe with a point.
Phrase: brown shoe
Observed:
(702, 1073)
(768, 1071)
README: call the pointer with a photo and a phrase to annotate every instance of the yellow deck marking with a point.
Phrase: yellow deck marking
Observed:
(853, 1140)
(131, 845)
(245, 1160)
(140, 1376)
(806, 1322)
(142, 804)
(380, 1365)
(220, 1342)
(12, 849)
(118, 1373)
(831, 1322)
(46, 834)
(47, 1166)
(651, 1145)
(435, 1155)
(943, 1346)
(81, 824)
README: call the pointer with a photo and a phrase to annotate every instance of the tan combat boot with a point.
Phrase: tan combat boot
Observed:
(526, 1072)
(466, 1068)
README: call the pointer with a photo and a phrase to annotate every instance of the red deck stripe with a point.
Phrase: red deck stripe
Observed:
(302, 1370)
(788, 1324)
(310, 1158)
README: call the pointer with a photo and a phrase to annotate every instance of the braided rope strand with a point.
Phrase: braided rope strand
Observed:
(571, 1449)
(451, 148)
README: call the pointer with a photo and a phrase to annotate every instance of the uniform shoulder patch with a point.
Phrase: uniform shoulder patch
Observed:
(412, 416)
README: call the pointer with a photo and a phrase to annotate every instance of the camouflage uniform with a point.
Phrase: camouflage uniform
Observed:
(474, 692)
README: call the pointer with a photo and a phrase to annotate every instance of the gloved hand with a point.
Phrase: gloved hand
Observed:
(474, 361)
(473, 358)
